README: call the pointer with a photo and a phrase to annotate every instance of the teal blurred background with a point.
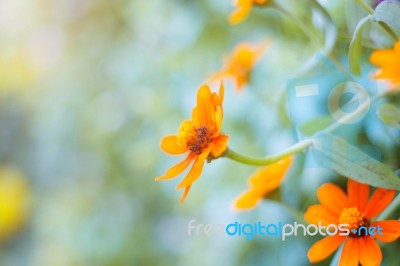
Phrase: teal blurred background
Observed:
(87, 90)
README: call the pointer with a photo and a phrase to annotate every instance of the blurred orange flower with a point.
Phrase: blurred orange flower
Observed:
(200, 137)
(240, 63)
(389, 61)
(262, 182)
(242, 10)
(355, 210)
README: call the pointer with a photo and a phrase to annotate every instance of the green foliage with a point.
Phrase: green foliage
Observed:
(389, 114)
(388, 12)
(355, 49)
(88, 88)
(337, 154)
(315, 125)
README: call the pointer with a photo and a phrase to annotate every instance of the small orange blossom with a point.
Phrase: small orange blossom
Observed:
(239, 64)
(243, 8)
(389, 61)
(200, 137)
(262, 182)
(355, 210)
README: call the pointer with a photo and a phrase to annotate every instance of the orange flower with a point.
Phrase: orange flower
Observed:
(200, 137)
(355, 210)
(262, 182)
(389, 61)
(242, 10)
(240, 63)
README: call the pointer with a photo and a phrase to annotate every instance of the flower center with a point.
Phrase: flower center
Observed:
(355, 219)
(194, 138)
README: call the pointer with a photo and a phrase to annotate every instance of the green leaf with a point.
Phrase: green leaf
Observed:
(388, 12)
(311, 127)
(331, 32)
(352, 14)
(355, 48)
(389, 114)
(340, 156)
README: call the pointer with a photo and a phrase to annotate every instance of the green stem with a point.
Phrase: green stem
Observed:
(389, 30)
(298, 147)
(330, 26)
(304, 28)
(366, 7)
(370, 10)
(311, 35)
(390, 209)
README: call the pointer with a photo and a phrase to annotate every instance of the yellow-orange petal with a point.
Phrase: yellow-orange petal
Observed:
(319, 214)
(169, 144)
(263, 181)
(397, 48)
(389, 72)
(350, 253)
(216, 99)
(269, 178)
(204, 105)
(177, 169)
(246, 55)
(324, 248)
(191, 177)
(196, 170)
(378, 202)
(185, 193)
(219, 145)
(195, 116)
(241, 80)
(370, 252)
(383, 57)
(357, 194)
(218, 76)
(193, 174)
(242, 10)
(389, 61)
(247, 200)
(390, 232)
(218, 119)
(333, 198)
(221, 93)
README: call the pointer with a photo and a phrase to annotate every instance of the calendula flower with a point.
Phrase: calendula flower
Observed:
(239, 64)
(355, 210)
(201, 138)
(14, 202)
(243, 8)
(389, 62)
(262, 182)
